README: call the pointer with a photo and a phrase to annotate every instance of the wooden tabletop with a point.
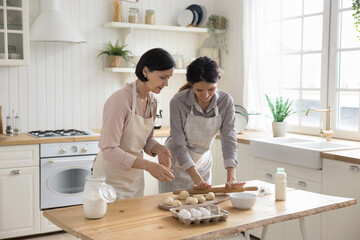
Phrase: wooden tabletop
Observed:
(140, 218)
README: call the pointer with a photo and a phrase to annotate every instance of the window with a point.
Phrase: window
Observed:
(313, 58)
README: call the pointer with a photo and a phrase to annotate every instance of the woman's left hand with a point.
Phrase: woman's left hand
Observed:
(164, 157)
(234, 184)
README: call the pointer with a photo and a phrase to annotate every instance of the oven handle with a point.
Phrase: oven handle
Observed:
(64, 161)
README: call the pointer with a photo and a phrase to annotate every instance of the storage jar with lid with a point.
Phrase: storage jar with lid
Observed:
(96, 196)
(149, 17)
(133, 15)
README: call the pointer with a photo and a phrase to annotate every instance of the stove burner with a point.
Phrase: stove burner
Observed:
(58, 133)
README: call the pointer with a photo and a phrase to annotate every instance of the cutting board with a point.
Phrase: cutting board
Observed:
(218, 199)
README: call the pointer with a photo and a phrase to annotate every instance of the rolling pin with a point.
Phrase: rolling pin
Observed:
(217, 190)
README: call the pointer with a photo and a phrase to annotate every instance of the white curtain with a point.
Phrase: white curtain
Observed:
(254, 37)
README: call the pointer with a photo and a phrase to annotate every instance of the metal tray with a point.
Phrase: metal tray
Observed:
(216, 214)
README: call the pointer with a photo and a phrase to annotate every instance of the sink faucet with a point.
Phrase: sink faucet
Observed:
(328, 132)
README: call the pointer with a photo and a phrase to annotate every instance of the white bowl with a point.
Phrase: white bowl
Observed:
(243, 200)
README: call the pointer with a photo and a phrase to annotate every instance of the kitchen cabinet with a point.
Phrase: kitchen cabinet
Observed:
(19, 191)
(151, 183)
(297, 177)
(129, 28)
(245, 168)
(14, 33)
(341, 179)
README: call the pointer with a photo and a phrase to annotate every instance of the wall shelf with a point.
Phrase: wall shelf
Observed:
(132, 70)
(124, 25)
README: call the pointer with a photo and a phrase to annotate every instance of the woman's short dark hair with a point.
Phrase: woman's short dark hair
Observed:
(156, 59)
(202, 69)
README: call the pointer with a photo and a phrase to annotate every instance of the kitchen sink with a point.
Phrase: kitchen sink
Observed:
(295, 151)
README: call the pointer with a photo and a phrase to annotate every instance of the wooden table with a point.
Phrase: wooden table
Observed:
(140, 218)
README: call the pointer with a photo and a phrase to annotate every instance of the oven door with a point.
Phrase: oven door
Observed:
(63, 180)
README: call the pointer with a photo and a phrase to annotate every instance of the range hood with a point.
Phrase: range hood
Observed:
(51, 26)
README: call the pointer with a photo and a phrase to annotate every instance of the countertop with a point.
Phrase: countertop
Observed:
(140, 218)
(352, 156)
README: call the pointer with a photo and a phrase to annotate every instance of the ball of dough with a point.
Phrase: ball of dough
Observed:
(169, 201)
(191, 200)
(176, 203)
(200, 198)
(184, 195)
(210, 196)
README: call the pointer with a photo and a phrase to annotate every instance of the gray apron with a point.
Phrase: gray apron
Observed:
(200, 133)
(128, 184)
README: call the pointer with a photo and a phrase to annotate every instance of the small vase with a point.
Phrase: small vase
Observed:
(114, 61)
(279, 129)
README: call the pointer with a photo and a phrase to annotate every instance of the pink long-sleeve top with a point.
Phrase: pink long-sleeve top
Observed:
(116, 115)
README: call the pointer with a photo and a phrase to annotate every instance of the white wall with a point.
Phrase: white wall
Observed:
(65, 85)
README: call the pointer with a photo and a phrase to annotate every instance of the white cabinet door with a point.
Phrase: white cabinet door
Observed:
(19, 200)
(14, 32)
(151, 183)
(47, 226)
(341, 179)
(245, 169)
(218, 171)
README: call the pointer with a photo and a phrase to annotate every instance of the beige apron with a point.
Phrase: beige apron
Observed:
(200, 133)
(128, 184)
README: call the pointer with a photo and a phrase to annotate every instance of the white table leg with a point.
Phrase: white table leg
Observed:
(264, 232)
(247, 235)
(302, 227)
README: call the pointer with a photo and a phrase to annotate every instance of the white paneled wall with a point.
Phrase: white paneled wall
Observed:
(65, 85)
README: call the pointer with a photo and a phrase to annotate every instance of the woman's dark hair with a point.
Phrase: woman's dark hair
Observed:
(202, 69)
(156, 59)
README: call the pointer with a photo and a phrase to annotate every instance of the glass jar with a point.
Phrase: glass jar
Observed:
(9, 126)
(149, 17)
(96, 196)
(17, 130)
(133, 15)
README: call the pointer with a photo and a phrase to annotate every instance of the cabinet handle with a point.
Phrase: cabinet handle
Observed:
(268, 175)
(354, 168)
(16, 172)
(302, 184)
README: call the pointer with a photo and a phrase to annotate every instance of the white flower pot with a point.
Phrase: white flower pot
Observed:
(279, 129)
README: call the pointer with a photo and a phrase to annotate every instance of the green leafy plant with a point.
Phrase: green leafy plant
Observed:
(356, 15)
(281, 109)
(216, 25)
(115, 50)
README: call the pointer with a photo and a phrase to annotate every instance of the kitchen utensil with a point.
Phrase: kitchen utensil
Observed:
(240, 122)
(217, 190)
(243, 200)
(199, 12)
(243, 112)
(185, 18)
(218, 199)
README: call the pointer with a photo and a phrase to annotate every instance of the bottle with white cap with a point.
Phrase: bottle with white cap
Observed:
(280, 184)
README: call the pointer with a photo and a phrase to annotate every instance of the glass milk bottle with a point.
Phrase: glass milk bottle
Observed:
(96, 196)
(280, 184)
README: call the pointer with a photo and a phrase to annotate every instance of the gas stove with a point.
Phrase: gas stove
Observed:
(60, 133)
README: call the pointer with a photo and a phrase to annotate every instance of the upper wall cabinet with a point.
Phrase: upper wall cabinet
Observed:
(14, 33)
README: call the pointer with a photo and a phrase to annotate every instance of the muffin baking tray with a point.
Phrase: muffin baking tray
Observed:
(216, 214)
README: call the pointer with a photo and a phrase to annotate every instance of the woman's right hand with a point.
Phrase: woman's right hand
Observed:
(160, 172)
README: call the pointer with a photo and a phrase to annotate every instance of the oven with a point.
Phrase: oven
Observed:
(63, 169)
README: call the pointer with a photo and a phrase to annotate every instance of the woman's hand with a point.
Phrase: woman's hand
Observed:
(160, 172)
(234, 184)
(164, 156)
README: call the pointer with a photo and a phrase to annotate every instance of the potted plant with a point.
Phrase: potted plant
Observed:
(280, 111)
(115, 53)
(216, 26)
(356, 15)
